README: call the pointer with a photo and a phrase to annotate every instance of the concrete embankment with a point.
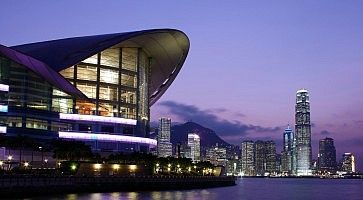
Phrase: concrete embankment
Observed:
(20, 186)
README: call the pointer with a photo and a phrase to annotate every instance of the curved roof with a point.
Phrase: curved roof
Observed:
(167, 47)
(43, 70)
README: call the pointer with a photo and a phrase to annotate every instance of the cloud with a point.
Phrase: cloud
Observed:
(325, 132)
(210, 119)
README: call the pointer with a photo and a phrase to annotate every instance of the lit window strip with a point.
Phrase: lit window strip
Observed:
(4, 88)
(3, 108)
(95, 118)
(107, 137)
(3, 129)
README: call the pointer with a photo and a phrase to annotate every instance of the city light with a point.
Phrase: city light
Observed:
(107, 137)
(26, 164)
(116, 167)
(97, 166)
(1, 162)
(73, 167)
(96, 118)
(132, 167)
(10, 158)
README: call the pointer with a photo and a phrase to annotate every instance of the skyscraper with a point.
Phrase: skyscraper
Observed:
(287, 152)
(270, 152)
(194, 144)
(247, 158)
(260, 158)
(164, 145)
(302, 134)
(348, 162)
(327, 155)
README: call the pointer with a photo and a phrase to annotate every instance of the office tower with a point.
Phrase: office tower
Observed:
(247, 158)
(302, 134)
(270, 156)
(217, 155)
(287, 151)
(348, 163)
(327, 155)
(164, 144)
(194, 144)
(260, 158)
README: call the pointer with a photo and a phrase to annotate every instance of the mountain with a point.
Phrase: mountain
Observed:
(208, 138)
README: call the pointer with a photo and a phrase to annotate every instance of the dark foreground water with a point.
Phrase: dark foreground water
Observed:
(248, 188)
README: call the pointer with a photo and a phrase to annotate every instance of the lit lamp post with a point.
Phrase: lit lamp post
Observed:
(41, 150)
(10, 158)
(169, 167)
(1, 164)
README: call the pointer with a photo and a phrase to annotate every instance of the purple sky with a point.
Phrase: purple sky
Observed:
(246, 61)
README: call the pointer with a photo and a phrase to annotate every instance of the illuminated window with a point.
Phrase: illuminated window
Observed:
(85, 108)
(109, 110)
(108, 93)
(129, 58)
(128, 80)
(127, 112)
(36, 124)
(108, 76)
(62, 105)
(86, 73)
(88, 89)
(59, 93)
(68, 73)
(14, 121)
(110, 57)
(92, 60)
(128, 97)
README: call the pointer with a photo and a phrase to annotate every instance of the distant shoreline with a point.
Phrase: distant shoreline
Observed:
(28, 186)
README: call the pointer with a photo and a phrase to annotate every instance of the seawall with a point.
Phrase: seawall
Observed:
(26, 186)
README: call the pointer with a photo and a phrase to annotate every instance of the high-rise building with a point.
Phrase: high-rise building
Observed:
(302, 134)
(217, 155)
(270, 159)
(327, 155)
(260, 157)
(164, 144)
(247, 158)
(194, 144)
(287, 152)
(348, 163)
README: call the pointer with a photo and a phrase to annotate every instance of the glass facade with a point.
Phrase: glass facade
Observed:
(116, 80)
(302, 133)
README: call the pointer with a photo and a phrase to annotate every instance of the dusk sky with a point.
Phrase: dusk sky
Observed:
(246, 61)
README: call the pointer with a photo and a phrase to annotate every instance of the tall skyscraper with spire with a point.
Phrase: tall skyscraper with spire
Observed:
(302, 134)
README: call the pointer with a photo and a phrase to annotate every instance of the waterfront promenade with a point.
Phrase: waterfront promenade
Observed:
(25, 186)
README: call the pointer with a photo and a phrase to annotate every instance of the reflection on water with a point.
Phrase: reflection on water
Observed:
(246, 189)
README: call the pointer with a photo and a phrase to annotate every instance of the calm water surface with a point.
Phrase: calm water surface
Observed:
(250, 188)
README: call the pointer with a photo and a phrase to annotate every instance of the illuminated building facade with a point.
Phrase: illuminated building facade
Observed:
(164, 145)
(302, 134)
(287, 152)
(348, 163)
(270, 153)
(247, 158)
(194, 145)
(97, 89)
(327, 160)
